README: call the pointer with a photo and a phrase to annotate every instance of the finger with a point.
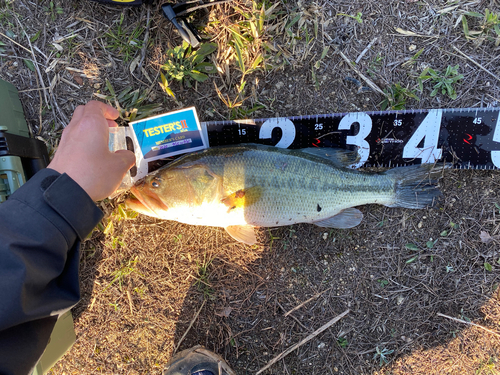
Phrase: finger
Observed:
(127, 157)
(112, 124)
(106, 110)
(78, 114)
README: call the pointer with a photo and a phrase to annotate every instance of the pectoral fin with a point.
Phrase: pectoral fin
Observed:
(242, 198)
(348, 218)
(242, 233)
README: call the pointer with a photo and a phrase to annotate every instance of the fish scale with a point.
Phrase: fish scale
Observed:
(291, 194)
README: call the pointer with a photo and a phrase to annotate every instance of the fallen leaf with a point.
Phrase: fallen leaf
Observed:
(405, 32)
(134, 63)
(77, 78)
(226, 311)
(485, 237)
(29, 64)
(411, 33)
(58, 47)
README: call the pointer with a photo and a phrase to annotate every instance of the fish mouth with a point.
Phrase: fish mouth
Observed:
(145, 202)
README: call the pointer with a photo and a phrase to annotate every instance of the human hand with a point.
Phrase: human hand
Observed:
(84, 155)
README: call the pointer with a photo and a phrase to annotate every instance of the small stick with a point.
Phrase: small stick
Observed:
(476, 63)
(469, 323)
(189, 328)
(130, 302)
(306, 302)
(13, 41)
(308, 338)
(145, 41)
(366, 49)
(368, 81)
(39, 80)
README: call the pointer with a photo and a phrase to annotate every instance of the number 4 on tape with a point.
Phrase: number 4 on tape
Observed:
(428, 130)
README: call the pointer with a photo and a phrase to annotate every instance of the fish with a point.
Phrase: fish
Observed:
(244, 186)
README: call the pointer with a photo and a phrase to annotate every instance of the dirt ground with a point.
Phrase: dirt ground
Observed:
(420, 286)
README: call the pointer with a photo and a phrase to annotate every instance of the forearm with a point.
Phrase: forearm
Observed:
(42, 225)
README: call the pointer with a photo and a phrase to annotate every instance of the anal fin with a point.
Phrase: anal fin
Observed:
(242, 233)
(348, 218)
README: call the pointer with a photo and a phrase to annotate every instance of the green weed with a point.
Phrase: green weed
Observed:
(272, 240)
(203, 279)
(115, 306)
(443, 82)
(246, 39)
(185, 65)
(317, 65)
(124, 271)
(236, 108)
(397, 96)
(488, 29)
(123, 41)
(446, 232)
(383, 355)
(430, 244)
(342, 342)
(383, 283)
(130, 103)
(5, 15)
(375, 65)
(53, 10)
(487, 367)
(413, 59)
(357, 17)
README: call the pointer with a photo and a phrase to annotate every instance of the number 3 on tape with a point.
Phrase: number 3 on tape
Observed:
(428, 130)
(365, 127)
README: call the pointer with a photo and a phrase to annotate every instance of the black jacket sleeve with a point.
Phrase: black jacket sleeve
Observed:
(41, 227)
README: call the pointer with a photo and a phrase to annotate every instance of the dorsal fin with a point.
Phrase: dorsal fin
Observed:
(338, 156)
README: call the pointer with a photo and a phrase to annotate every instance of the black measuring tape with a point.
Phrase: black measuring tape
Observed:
(467, 137)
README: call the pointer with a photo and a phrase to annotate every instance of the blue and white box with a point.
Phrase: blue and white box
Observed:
(168, 134)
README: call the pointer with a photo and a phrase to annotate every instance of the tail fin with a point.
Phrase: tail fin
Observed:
(415, 185)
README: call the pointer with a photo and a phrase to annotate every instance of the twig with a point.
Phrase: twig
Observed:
(476, 63)
(145, 42)
(306, 302)
(294, 318)
(131, 305)
(469, 323)
(13, 41)
(368, 81)
(366, 49)
(308, 338)
(39, 79)
(188, 328)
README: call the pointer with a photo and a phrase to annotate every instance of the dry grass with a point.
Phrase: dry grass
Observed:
(165, 272)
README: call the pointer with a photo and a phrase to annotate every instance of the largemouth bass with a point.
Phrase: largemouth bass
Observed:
(246, 186)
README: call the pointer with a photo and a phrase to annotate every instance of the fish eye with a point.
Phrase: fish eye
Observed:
(155, 184)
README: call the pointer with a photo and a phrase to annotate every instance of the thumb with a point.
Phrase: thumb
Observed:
(127, 157)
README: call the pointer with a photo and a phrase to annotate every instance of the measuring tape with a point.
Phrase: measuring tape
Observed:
(468, 138)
